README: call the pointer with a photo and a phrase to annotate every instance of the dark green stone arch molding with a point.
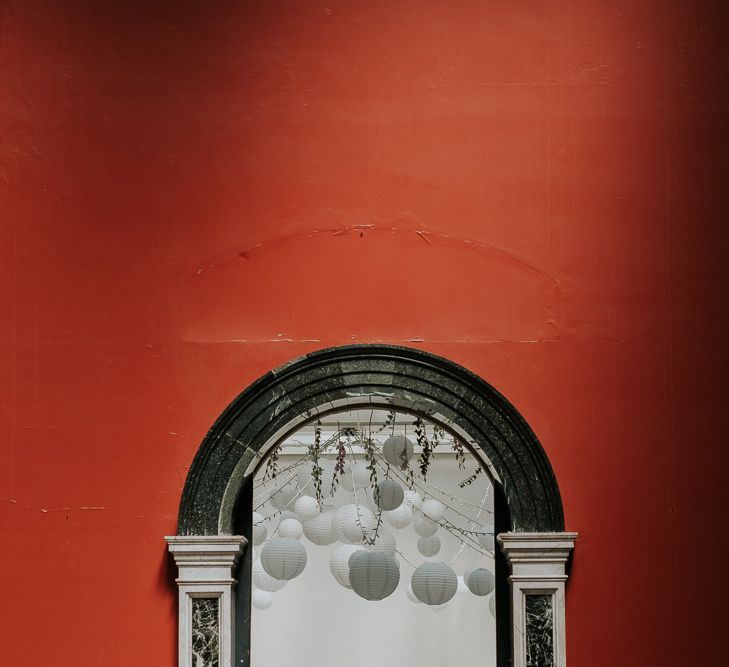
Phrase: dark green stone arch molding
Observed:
(403, 377)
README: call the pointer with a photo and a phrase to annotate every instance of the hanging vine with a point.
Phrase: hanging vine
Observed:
(272, 464)
(426, 449)
(316, 469)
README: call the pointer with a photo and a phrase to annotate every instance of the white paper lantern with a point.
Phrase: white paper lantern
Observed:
(263, 580)
(398, 450)
(356, 476)
(353, 523)
(262, 599)
(492, 604)
(260, 532)
(283, 557)
(284, 496)
(399, 518)
(480, 581)
(433, 509)
(306, 508)
(411, 595)
(434, 583)
(319, 530)
(390, 495)
(290, 528)
(429, 546)
(413, 499)
(424, 526)
(339, 563)
(287, 514)
(384, 542)
(373, 576)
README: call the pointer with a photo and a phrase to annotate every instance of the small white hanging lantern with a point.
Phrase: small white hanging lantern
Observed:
(413, 499)
(339, 563)
(260, 532)
(283, 557)
(384, 542)
(398, 450)
(399, 518)
(429, 546)
(353, 523)
(424, 526)
(262, 599)
(373, 576)
(356, 476)
(263, 580)
(433, 509)
(434, 583)
(284, 496)
(290, 528)
(319, 530)
(480, 581)
(390, 495)
(306, 508)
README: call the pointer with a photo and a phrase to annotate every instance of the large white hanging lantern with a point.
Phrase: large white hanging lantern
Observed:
(306, 508)
(262, 599)
(398, 450)
(260, 532)
(290, 528)
(434, 583)
(339, 563)
(319, 530)
(429, 546)
(263, 580)
(413, 499)
(480, 581)
(424, 526)
(384, 542)
(353, 523)
(283, 557)
(373, 576)
(399, 518)
(284, 496)
(390, 495)
(433, 509)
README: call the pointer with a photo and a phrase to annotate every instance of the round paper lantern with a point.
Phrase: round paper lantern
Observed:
(398, 450)
(283, 557)
(339, 563)
(429, 546)
(306, 508)
(353, 523)
(373, 576)
(287, 514)
(390, 495)
(263, 580)
(262, 599)
(434, 583)
(411, 595)
(384, 542)
(480, 581)
(284, 496)
(492, 604)
(319, 530)
(424, 526)
(433, 509)
(413, 499)
(356, 476)
(290, 528)
(399, 518)
(259, 529)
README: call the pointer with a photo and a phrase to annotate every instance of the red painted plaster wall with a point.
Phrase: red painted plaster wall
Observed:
(193, 193)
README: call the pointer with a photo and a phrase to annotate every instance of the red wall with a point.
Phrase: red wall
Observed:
(194, 193)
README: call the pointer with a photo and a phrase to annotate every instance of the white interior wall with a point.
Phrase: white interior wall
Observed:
(316, 622)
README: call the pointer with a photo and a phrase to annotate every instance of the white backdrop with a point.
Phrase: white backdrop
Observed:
(315, 622)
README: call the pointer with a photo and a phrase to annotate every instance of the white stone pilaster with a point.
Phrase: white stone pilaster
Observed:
(537, 566)
(205, 570)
